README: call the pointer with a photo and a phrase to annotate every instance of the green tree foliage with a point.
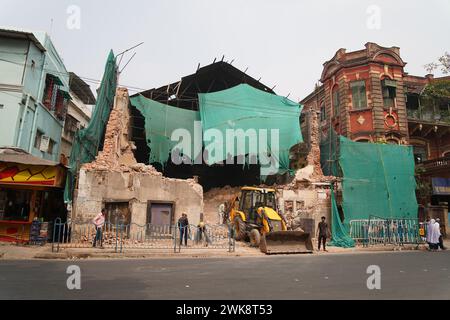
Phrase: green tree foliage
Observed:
(437, 90)
(423, 185)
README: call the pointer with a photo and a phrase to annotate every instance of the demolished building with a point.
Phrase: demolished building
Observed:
(132, 193)
(130, 181)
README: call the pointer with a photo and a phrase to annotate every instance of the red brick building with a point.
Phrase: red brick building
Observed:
(429, 124)
(367, 96)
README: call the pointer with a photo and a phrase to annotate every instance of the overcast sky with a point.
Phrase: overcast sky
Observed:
(284, 42)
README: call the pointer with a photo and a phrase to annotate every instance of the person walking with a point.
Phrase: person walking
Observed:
(202, 233)
(99, 222)
(441, 231)
(221, 213)
(322, 230)
(434, 235)
(183, 225)
(428, 232)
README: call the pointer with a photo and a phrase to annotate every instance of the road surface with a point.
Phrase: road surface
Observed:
(404, 275)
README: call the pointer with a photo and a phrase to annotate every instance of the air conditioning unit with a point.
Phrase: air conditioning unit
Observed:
(45, 142)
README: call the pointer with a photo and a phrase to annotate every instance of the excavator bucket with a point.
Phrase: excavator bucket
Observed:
(286, 242)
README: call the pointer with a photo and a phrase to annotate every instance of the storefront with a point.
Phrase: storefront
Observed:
(29, 192)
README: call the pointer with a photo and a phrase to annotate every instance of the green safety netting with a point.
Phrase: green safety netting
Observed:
(86, 142)
(246, 108)
(340, 236)
(378, 179)
(241, 107)
(161, 121)
(329, 154)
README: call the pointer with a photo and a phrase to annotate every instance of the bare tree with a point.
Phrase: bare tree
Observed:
(443, 63)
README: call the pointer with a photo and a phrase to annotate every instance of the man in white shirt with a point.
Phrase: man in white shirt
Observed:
(221, 213)
(99, 222)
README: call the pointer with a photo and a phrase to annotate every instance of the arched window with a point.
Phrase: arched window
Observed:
(389, 90)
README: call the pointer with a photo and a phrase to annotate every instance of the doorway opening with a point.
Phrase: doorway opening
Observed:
(160, 219)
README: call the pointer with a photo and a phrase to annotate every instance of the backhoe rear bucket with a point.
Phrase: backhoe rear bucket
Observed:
(286, 242)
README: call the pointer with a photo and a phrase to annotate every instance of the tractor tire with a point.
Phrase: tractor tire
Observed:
(239, 229)
(255, 238)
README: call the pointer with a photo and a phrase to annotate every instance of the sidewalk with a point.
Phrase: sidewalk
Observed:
(14, 252)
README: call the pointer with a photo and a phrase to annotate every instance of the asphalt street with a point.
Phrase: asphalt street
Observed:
(404, 275)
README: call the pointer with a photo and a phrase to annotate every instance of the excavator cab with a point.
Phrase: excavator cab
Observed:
(256, 218)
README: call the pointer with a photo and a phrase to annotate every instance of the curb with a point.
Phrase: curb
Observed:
(70, 255)
(81, 256)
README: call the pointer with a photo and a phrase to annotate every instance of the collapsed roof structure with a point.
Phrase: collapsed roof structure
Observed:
(222, 98)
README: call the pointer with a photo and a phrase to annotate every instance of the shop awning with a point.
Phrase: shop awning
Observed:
(441, 186)
(19, 168)
(17, 155)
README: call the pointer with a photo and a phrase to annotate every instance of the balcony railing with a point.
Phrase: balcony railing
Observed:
(436, 164)
(429, 114)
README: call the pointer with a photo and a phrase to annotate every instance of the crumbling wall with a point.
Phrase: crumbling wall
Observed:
(304, 205)
(313, 158)
(214, 198)
(307, 198)
(115, 176)
(97, 187)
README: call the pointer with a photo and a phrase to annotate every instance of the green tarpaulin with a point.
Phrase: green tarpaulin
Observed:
(378, 180)
(161, 121)
(340, 236)
(86, 142)
(251, 111)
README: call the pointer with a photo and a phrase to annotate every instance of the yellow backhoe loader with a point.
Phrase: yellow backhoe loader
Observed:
(255, 218)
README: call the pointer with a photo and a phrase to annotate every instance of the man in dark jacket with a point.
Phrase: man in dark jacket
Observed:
(441, 239)
(183, 225)
(322, 230)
